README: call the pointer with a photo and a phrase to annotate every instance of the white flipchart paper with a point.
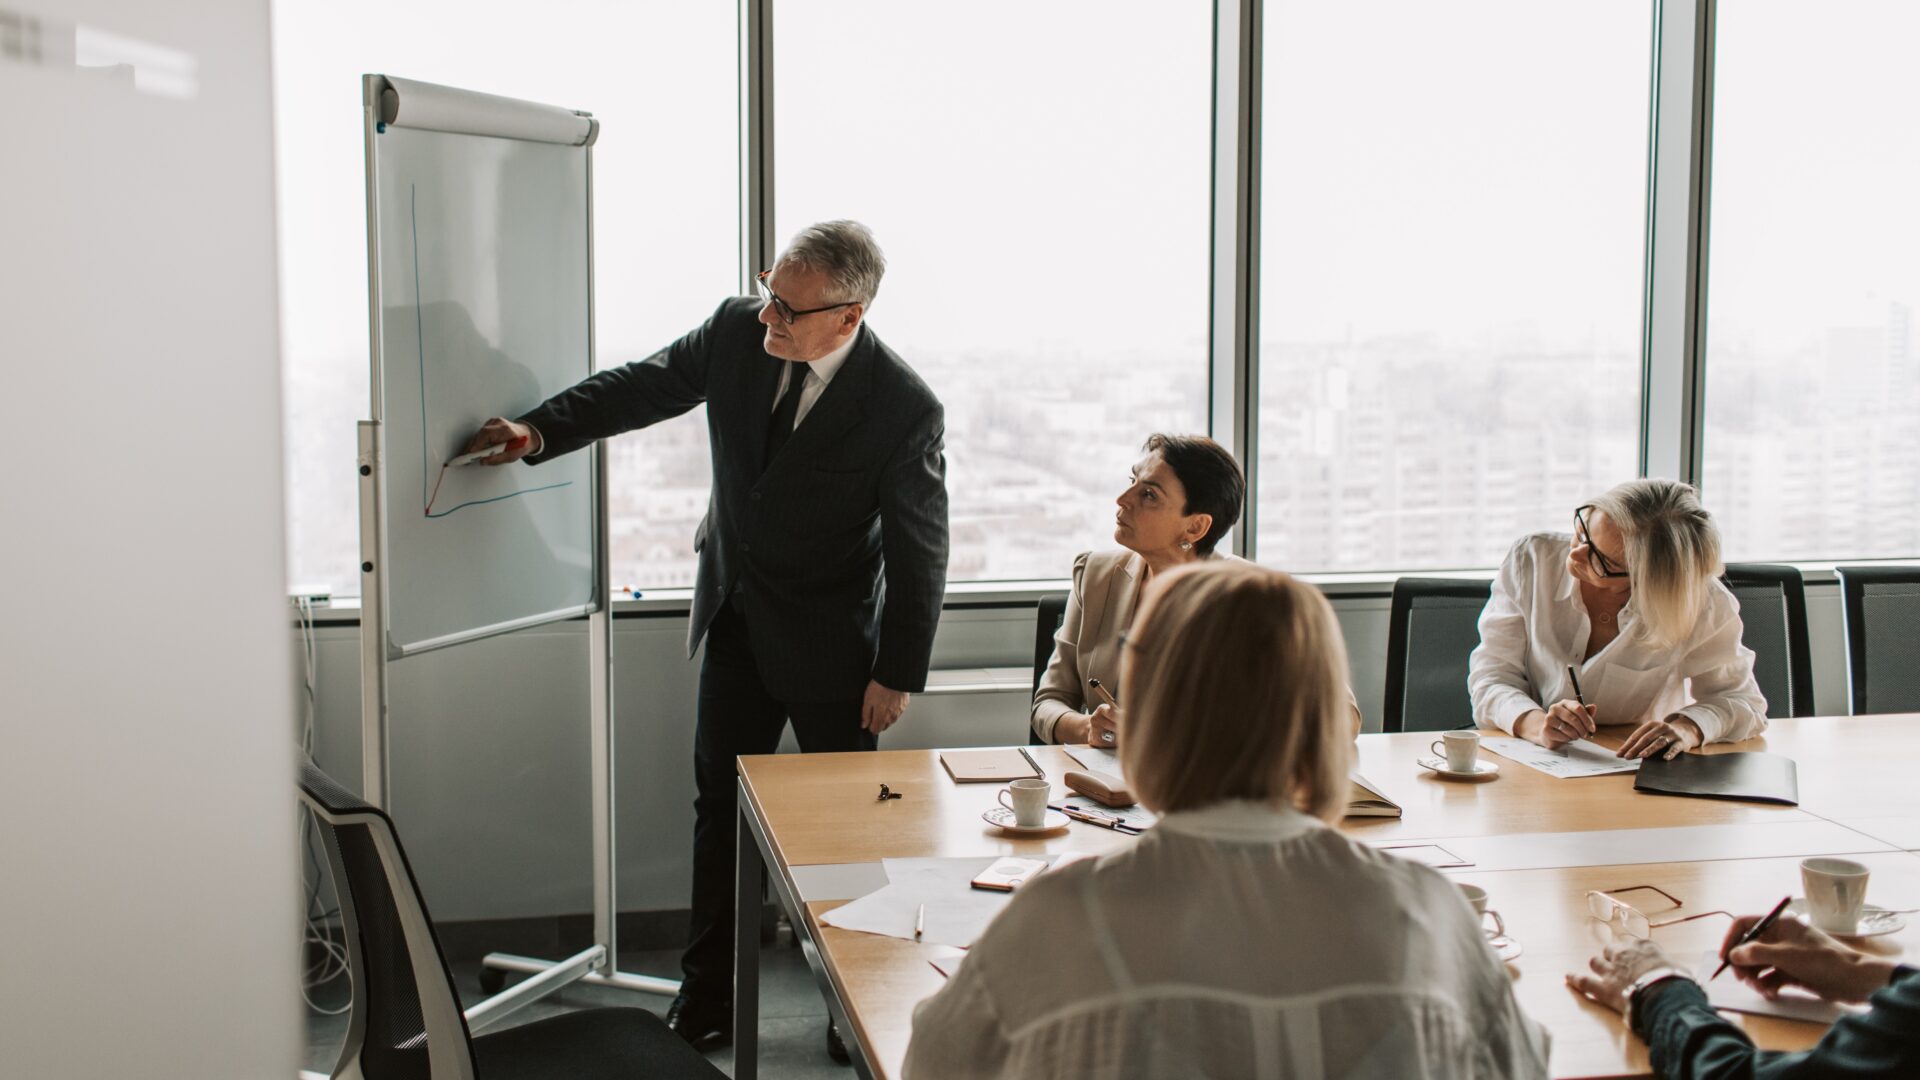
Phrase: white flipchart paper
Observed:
(1577, 758)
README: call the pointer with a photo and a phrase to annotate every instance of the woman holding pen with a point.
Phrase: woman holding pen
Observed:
(1624, 621)
(1181, 498)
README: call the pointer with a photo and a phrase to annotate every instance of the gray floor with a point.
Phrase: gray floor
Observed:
(793, 1019)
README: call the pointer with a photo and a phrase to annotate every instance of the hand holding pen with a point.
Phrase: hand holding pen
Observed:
(1103, 724)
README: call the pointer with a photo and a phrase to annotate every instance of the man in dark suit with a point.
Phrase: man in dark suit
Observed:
(823, 555)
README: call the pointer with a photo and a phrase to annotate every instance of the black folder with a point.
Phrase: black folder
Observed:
(1750, 777)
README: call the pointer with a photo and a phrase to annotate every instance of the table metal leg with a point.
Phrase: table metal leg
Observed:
(749, 880)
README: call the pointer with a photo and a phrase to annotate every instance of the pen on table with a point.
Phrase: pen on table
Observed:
(1037, 770)
(920, 922)
(1753, 931)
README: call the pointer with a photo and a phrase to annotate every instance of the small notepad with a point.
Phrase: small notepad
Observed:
(988, 766)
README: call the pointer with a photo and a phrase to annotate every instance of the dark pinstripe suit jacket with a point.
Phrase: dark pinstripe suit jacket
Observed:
(839, 546)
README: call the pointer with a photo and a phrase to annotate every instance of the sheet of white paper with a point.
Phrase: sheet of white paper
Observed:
(1577, 758)
(838, 881)
(1731, 994)
(1098, 760)
(957, 912)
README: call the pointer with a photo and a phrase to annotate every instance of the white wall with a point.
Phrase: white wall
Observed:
(490, 745)
(147, 874)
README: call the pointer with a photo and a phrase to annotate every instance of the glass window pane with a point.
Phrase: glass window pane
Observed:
(1041, 193)
(1813, 382)
(1453, 218)
(660, 76)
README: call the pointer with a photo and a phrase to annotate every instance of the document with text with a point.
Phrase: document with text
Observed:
(1577, 758)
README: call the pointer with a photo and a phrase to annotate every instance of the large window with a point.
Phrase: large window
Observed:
(660, 76)
(1453, 222)
(1038, 175)
(1813, 382)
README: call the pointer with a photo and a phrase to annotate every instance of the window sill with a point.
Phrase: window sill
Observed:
(963, 595)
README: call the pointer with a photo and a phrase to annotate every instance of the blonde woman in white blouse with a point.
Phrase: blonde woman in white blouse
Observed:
(1633, 601)
(1242, 936)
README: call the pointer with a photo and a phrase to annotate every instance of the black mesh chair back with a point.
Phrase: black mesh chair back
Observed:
(1434, 627)
(1773, 617)
(1051, 613)
(406, 1021)
(1882, 609)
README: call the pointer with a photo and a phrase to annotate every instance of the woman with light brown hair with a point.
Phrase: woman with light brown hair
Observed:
(1632, 602)
(1242, 935)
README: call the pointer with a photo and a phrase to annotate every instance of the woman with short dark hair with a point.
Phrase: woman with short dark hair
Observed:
(1182, 496)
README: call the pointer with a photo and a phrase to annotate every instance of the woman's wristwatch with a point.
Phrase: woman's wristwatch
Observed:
(1646, 981)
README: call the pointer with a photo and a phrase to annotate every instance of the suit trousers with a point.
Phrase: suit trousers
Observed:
(737, 715)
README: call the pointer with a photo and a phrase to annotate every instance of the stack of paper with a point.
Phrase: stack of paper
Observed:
(957, 912)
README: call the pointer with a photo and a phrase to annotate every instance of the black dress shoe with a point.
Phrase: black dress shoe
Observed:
(706, 1023)
(836, 1049)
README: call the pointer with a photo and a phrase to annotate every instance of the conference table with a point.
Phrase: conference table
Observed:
(812, 827)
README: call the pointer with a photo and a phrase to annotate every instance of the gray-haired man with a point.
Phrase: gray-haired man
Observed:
(824, 551)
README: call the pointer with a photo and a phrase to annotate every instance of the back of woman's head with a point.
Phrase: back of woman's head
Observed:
(1673, 553)
(1236, 681)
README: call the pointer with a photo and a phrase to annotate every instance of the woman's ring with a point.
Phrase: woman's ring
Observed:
(1106, 736)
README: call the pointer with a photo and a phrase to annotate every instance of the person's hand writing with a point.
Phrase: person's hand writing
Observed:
(1103, 728)
(1669, 738)
(498, 431)
(1791, 953)
(1615, 969)
(1559, 725)
(882, 708)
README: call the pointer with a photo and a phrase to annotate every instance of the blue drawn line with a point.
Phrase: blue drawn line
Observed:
(420, 334)
(497, 498)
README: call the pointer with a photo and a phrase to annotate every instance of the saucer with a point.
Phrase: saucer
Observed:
(1438, 766)
(1506, 948)
(1874, 919)
(1002, 817)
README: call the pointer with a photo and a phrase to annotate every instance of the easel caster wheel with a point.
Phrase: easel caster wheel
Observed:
(492, 980)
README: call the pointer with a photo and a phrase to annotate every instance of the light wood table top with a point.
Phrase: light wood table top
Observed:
(821, 808)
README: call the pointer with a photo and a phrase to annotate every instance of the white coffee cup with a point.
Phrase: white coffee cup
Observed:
(1836, 893)
(1029, 801)
(1462, 749)
(1477, 896)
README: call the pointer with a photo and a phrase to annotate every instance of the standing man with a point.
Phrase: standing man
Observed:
(823, 556)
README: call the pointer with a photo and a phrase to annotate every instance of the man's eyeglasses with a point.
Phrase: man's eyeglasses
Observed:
(1602, 565)
(1631, 921)
(787, 314)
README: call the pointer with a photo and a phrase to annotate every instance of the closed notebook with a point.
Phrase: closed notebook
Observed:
(1752, 776)
(1365, 800)
(988, 766)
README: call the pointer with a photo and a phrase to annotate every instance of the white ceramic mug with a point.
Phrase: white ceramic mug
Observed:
(1029, 801)
(1836, 893)
(1477, 896)
(1462, 749)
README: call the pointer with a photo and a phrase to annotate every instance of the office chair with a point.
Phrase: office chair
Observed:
(1433, 628)
(1051, 613)
(406, 1022)
(1882, 608)
(1773, 617)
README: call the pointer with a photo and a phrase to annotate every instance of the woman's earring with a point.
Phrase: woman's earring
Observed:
(1186, 545)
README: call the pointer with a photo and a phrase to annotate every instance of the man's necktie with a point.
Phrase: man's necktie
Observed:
(780, 427)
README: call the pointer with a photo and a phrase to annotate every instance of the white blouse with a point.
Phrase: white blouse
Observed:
(1234, 941)
(1535, 625)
